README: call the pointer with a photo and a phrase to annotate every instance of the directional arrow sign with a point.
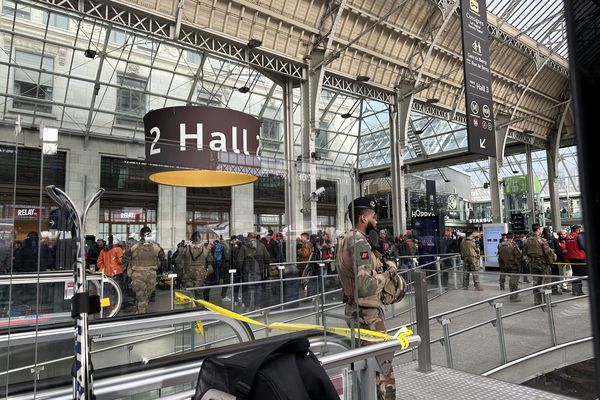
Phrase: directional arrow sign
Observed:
(478, 80)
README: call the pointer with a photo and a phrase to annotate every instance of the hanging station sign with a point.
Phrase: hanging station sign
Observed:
(478, 80)
(199, 146)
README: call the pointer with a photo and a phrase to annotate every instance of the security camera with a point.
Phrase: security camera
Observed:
(318, 192)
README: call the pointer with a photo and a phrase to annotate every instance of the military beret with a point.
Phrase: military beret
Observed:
(362, 203)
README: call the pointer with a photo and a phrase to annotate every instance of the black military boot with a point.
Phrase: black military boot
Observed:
(390, 393)
(556, 292)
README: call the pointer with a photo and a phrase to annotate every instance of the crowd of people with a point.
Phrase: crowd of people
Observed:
(138, 265)
(200, 263)
(541, 254)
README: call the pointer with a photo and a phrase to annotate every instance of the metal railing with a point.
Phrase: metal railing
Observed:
(538, 354)
(98, 280)
(365, 360)
(443, 318)
(130, 328)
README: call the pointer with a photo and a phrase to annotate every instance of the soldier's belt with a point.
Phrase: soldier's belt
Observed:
(138, 268)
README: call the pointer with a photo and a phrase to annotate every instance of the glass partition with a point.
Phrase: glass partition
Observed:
(73, 102)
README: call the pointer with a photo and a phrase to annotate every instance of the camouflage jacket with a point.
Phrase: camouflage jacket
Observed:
(509, 253)
(354, 254)
(469, 249)
(537, 250)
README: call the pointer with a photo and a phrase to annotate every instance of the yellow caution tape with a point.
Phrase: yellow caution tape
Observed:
(365, 334)
(553, 263)
(199, 328)
(105, 302)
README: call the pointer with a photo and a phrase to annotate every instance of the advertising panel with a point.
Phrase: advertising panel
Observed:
(427, 230)
(492, 233)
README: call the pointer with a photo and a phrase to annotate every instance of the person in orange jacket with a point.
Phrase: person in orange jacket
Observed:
(110, 263)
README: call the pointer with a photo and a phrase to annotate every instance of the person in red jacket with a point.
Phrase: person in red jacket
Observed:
(576, 256)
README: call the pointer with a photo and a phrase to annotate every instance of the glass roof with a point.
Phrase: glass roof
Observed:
(567, 181)
(542, 20)
(75, 69)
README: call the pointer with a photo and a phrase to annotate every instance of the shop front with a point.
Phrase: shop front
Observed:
(130, 201)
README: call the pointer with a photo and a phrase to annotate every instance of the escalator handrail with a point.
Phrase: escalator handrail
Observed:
(118, 381)
(103, 327)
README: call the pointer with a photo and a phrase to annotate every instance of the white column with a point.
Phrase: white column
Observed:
(242, 210)
(82, 181)
(172, 207)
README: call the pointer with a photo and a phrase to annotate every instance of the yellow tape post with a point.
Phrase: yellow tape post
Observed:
(365, 334)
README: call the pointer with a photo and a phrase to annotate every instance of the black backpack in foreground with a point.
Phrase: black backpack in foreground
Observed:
(285, 370)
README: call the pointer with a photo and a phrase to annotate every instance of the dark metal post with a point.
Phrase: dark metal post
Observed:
(422, 306)
(581, 17)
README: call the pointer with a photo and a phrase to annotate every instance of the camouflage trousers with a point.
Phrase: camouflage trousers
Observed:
(195, 277)
(513, 279)
(373, 319)
(470, 265)
(143, 284)
(539, 268)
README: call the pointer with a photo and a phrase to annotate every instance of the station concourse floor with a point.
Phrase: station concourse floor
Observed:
(450, 384)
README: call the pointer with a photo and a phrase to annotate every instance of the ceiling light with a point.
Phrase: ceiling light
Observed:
(89, 53)
(433, 100)
(346, 115)
(514, 171)
(201, 178)
(254, 43)
(447, 180)
(244, 89)
(363, 78)
(486, 185)
(418, 132)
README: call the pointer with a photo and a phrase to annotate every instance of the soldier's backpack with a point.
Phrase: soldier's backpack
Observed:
(286, 370)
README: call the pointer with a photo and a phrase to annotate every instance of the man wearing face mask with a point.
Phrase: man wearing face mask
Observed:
(363, 279)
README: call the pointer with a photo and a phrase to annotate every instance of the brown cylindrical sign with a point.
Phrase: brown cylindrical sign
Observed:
(202, 146)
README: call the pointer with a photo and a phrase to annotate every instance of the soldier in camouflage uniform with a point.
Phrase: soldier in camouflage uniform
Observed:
(540, 256)
(195, 260)
(142, 261)
(469, 251)
(501, 267)
(358, 266)
(511, 257)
